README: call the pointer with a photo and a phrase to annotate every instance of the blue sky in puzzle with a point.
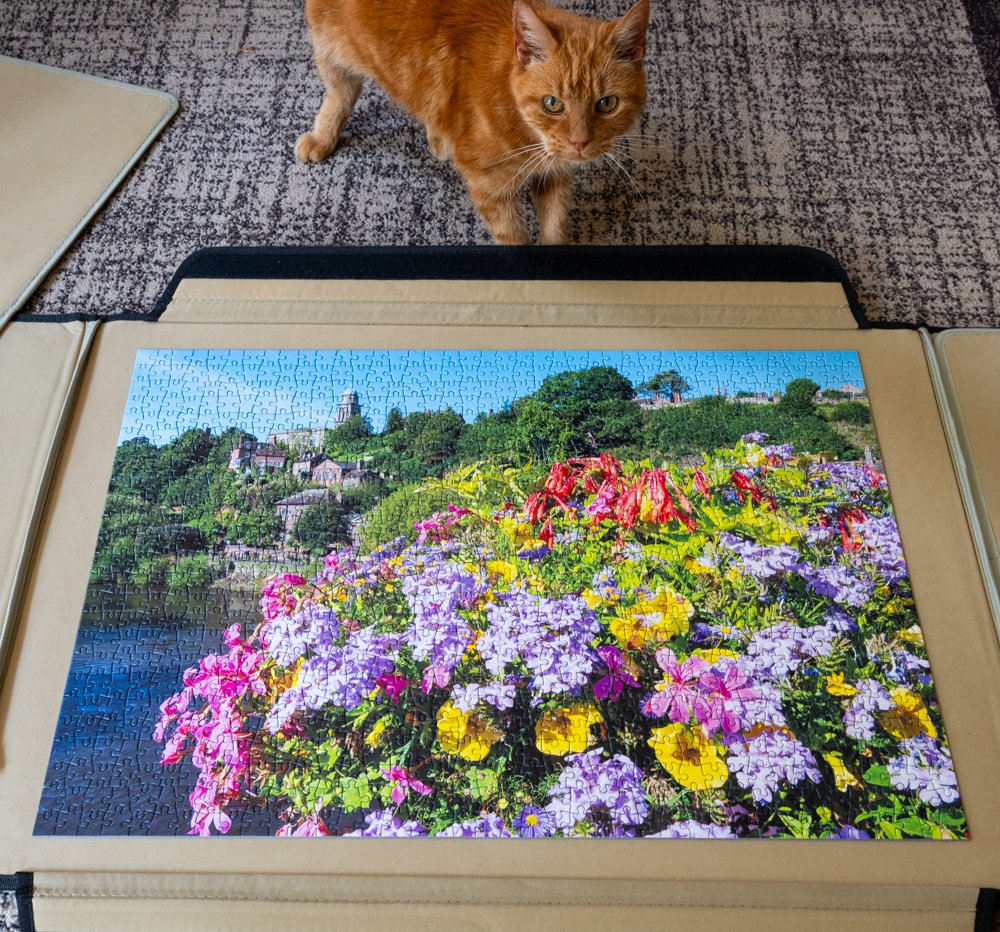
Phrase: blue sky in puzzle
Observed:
(262, 391)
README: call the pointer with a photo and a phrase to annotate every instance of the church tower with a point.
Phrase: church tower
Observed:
(349, 405)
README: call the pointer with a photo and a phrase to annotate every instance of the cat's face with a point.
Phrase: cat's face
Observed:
(581, 82)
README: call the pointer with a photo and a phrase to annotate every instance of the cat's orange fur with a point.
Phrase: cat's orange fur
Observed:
(476, 73)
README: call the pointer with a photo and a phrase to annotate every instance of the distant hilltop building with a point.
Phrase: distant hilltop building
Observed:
(349, 405)
(323, 470)
(255, 456)
(306, 438)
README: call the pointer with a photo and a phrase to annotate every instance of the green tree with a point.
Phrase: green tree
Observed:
(432, 436)
(137, 470)
(592, 410)
(323, 526)
(394, 422)
(799, 397)
(261, 527)
(669, 381)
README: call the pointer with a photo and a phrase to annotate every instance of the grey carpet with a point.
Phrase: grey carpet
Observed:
(862, 127)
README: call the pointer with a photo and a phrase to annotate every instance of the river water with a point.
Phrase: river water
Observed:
(132, 647)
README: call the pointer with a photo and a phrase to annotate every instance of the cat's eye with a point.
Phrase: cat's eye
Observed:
(607, 104)
(552, 105)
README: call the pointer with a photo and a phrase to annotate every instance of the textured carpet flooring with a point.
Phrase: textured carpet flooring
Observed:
(862, 127)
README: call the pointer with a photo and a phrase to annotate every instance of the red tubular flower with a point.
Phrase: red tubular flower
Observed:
(626, 508)
(685, 502)
(534, 507)
(657, 495)
(547, 534)
(701, 482)
(743, 483)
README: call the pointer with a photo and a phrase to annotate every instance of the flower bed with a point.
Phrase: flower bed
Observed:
(719, 651)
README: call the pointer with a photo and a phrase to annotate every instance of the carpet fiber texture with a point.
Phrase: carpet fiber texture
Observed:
(862, 127)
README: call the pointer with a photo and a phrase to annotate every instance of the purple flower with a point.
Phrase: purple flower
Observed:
(488, 825)
(836, 582)
(611, 685)
(551, 637)
(759, 764)
(534, 553)
(438, 633)
(881, 537)
(755, 436)
(924, 769)
(338, 675)
(499, 695)
(859, 719)
(762, 561)
(534, 822)
(382, 823)
(775, 652)
(691, 828)
(849, 833)
(608, 793)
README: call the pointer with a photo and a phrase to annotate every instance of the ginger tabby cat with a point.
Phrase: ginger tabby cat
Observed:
(514, 92)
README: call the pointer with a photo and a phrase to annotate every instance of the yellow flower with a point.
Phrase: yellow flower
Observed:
(698, 568)
(689, 757)
(910, 718)
(465, 733)
(520, 532)
(836, 686)
(566, 730)
(503, 569)
(374, 738)
(912, 636)
(666, 614)
(713, 655)
(842, 777)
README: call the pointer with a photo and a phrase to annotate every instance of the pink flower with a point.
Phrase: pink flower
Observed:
(392, 685)
(312, 827)
(617, 677)
(435, 675)
(402, 784)
(677, 693)
(725, 695)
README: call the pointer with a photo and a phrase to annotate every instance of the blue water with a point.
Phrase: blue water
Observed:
(105, 775)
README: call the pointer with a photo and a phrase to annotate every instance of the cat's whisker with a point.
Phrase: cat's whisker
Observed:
(618, 165)
(659, 172)
(516, 152)
(526, 170)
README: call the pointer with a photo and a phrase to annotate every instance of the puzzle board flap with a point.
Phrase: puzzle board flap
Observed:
(970, 370)
(567, 304)
(38, 366)
(953, 619)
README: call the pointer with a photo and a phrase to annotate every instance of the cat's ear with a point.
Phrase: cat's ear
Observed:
(533, 40)
(629, 35)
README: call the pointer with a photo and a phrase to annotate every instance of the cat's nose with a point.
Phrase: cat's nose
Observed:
(580, 144)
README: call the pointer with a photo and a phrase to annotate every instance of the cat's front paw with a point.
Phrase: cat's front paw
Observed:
(313, 148)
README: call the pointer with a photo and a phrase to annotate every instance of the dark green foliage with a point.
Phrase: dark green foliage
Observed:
(355, 428)
(577, 413)
(669, 382)
(850, 412)
(323, 526)
(713, 422)
(799, 397)
(396, 514)
(394, 421)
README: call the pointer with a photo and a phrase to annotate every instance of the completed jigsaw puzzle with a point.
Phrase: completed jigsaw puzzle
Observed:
(500, 594)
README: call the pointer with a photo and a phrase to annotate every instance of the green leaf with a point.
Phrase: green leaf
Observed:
(877, 775)
(918, 827)
(356, 792)
(891, 831)
(482, 782)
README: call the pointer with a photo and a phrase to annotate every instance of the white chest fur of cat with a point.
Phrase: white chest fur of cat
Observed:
(513, 92)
